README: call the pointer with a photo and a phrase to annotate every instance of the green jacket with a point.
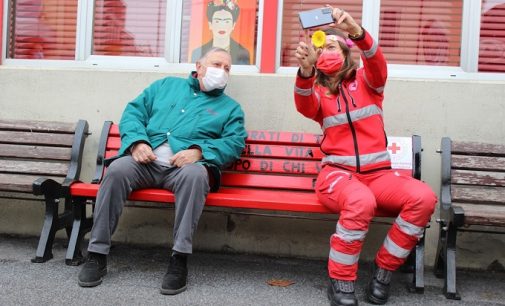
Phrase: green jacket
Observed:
(175, 109)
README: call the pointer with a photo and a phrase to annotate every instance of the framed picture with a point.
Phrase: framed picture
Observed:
(227, 24)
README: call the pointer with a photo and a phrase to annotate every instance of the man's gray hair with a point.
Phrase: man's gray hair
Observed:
(212, 50)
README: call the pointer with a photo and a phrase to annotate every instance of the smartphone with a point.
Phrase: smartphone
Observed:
(316, 18)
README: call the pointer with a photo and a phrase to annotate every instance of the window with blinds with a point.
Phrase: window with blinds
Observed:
(292, 32)
(129, 27)
(421, 32)
(42, 29)
(492, 36)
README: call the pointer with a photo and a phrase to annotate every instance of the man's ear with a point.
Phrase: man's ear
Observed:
(210, 26)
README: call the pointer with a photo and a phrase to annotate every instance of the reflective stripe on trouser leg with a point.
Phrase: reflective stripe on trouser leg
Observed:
(344, 253)
(395, 249)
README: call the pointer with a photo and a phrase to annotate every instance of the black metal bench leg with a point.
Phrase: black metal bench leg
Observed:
(439, 267)
(450, 291)
(418, 282)
(416, 259)
(69, 223)
(80, 227)
(409, 265)
(51, 224)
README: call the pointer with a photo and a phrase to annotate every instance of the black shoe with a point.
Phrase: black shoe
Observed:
(378, 287)
(175, 279)
(95, 267)
(341, 293)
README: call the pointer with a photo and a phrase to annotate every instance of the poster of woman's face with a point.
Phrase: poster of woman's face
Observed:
(227, 24)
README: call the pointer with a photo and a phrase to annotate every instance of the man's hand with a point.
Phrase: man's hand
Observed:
(185, 157)
(143, 153)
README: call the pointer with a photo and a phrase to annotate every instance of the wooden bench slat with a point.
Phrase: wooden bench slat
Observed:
(490, 215)
(21, 183)
(478, 194)
(267, 181)
(294, 201)
(478, 162)
(268, 165)
(281, 138)
(265, 137)
(32, 167)
(113, 143)
(35, 152)
(481, 178)
(477, 148)
(276, 166)
(257, 150)
(282, 151)
(65, 140)
(36, 126)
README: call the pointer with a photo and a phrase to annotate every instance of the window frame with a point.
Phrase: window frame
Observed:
(467, 69)
(84, 44)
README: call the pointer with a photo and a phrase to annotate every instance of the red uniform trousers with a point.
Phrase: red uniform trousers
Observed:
(357, 197)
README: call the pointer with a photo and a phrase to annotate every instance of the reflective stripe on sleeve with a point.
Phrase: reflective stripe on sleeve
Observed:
(318, 99)
(395, 249)
(377, 89)
(303, 91)
(409, 228)
(371, 52)
(342, 258)
(350, 235)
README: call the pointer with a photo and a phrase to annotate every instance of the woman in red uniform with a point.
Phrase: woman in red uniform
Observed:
(356, 178)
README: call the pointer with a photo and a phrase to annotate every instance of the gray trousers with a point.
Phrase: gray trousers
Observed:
(190, 185)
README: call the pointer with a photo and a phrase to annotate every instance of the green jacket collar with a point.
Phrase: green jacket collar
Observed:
(195, 84)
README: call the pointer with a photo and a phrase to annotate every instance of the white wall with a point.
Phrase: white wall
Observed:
(466, 110)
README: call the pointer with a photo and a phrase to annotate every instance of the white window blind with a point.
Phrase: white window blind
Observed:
(129, 27)
(492, 37)
(421, 32)
(42, 29)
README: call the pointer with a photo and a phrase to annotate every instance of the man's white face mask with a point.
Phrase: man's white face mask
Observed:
(215, 78)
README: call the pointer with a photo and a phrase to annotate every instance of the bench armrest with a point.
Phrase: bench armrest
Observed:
(101, 161)
(457, 216)
(81, 132)
(445, 184)
(47, 187)
(52, 189)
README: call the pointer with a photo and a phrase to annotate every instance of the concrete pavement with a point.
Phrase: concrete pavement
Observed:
(135, 274)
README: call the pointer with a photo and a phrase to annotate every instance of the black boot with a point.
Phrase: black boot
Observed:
(378, 287)
(95, 267)
(341, 293)
(175, 279)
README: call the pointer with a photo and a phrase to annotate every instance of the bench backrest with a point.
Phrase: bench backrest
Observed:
(280, 160)
(33, 149)
(472, 173)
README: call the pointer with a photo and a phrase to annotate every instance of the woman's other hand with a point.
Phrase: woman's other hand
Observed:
(345, 22)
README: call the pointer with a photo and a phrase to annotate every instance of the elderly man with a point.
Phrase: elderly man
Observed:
(175, 135)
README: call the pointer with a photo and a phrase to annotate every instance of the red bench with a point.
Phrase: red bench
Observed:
(276, 172)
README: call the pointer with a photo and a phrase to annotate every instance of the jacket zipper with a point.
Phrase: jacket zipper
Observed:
(353, 131)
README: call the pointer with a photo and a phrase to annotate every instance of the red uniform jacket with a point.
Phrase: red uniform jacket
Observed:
(352, 122)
